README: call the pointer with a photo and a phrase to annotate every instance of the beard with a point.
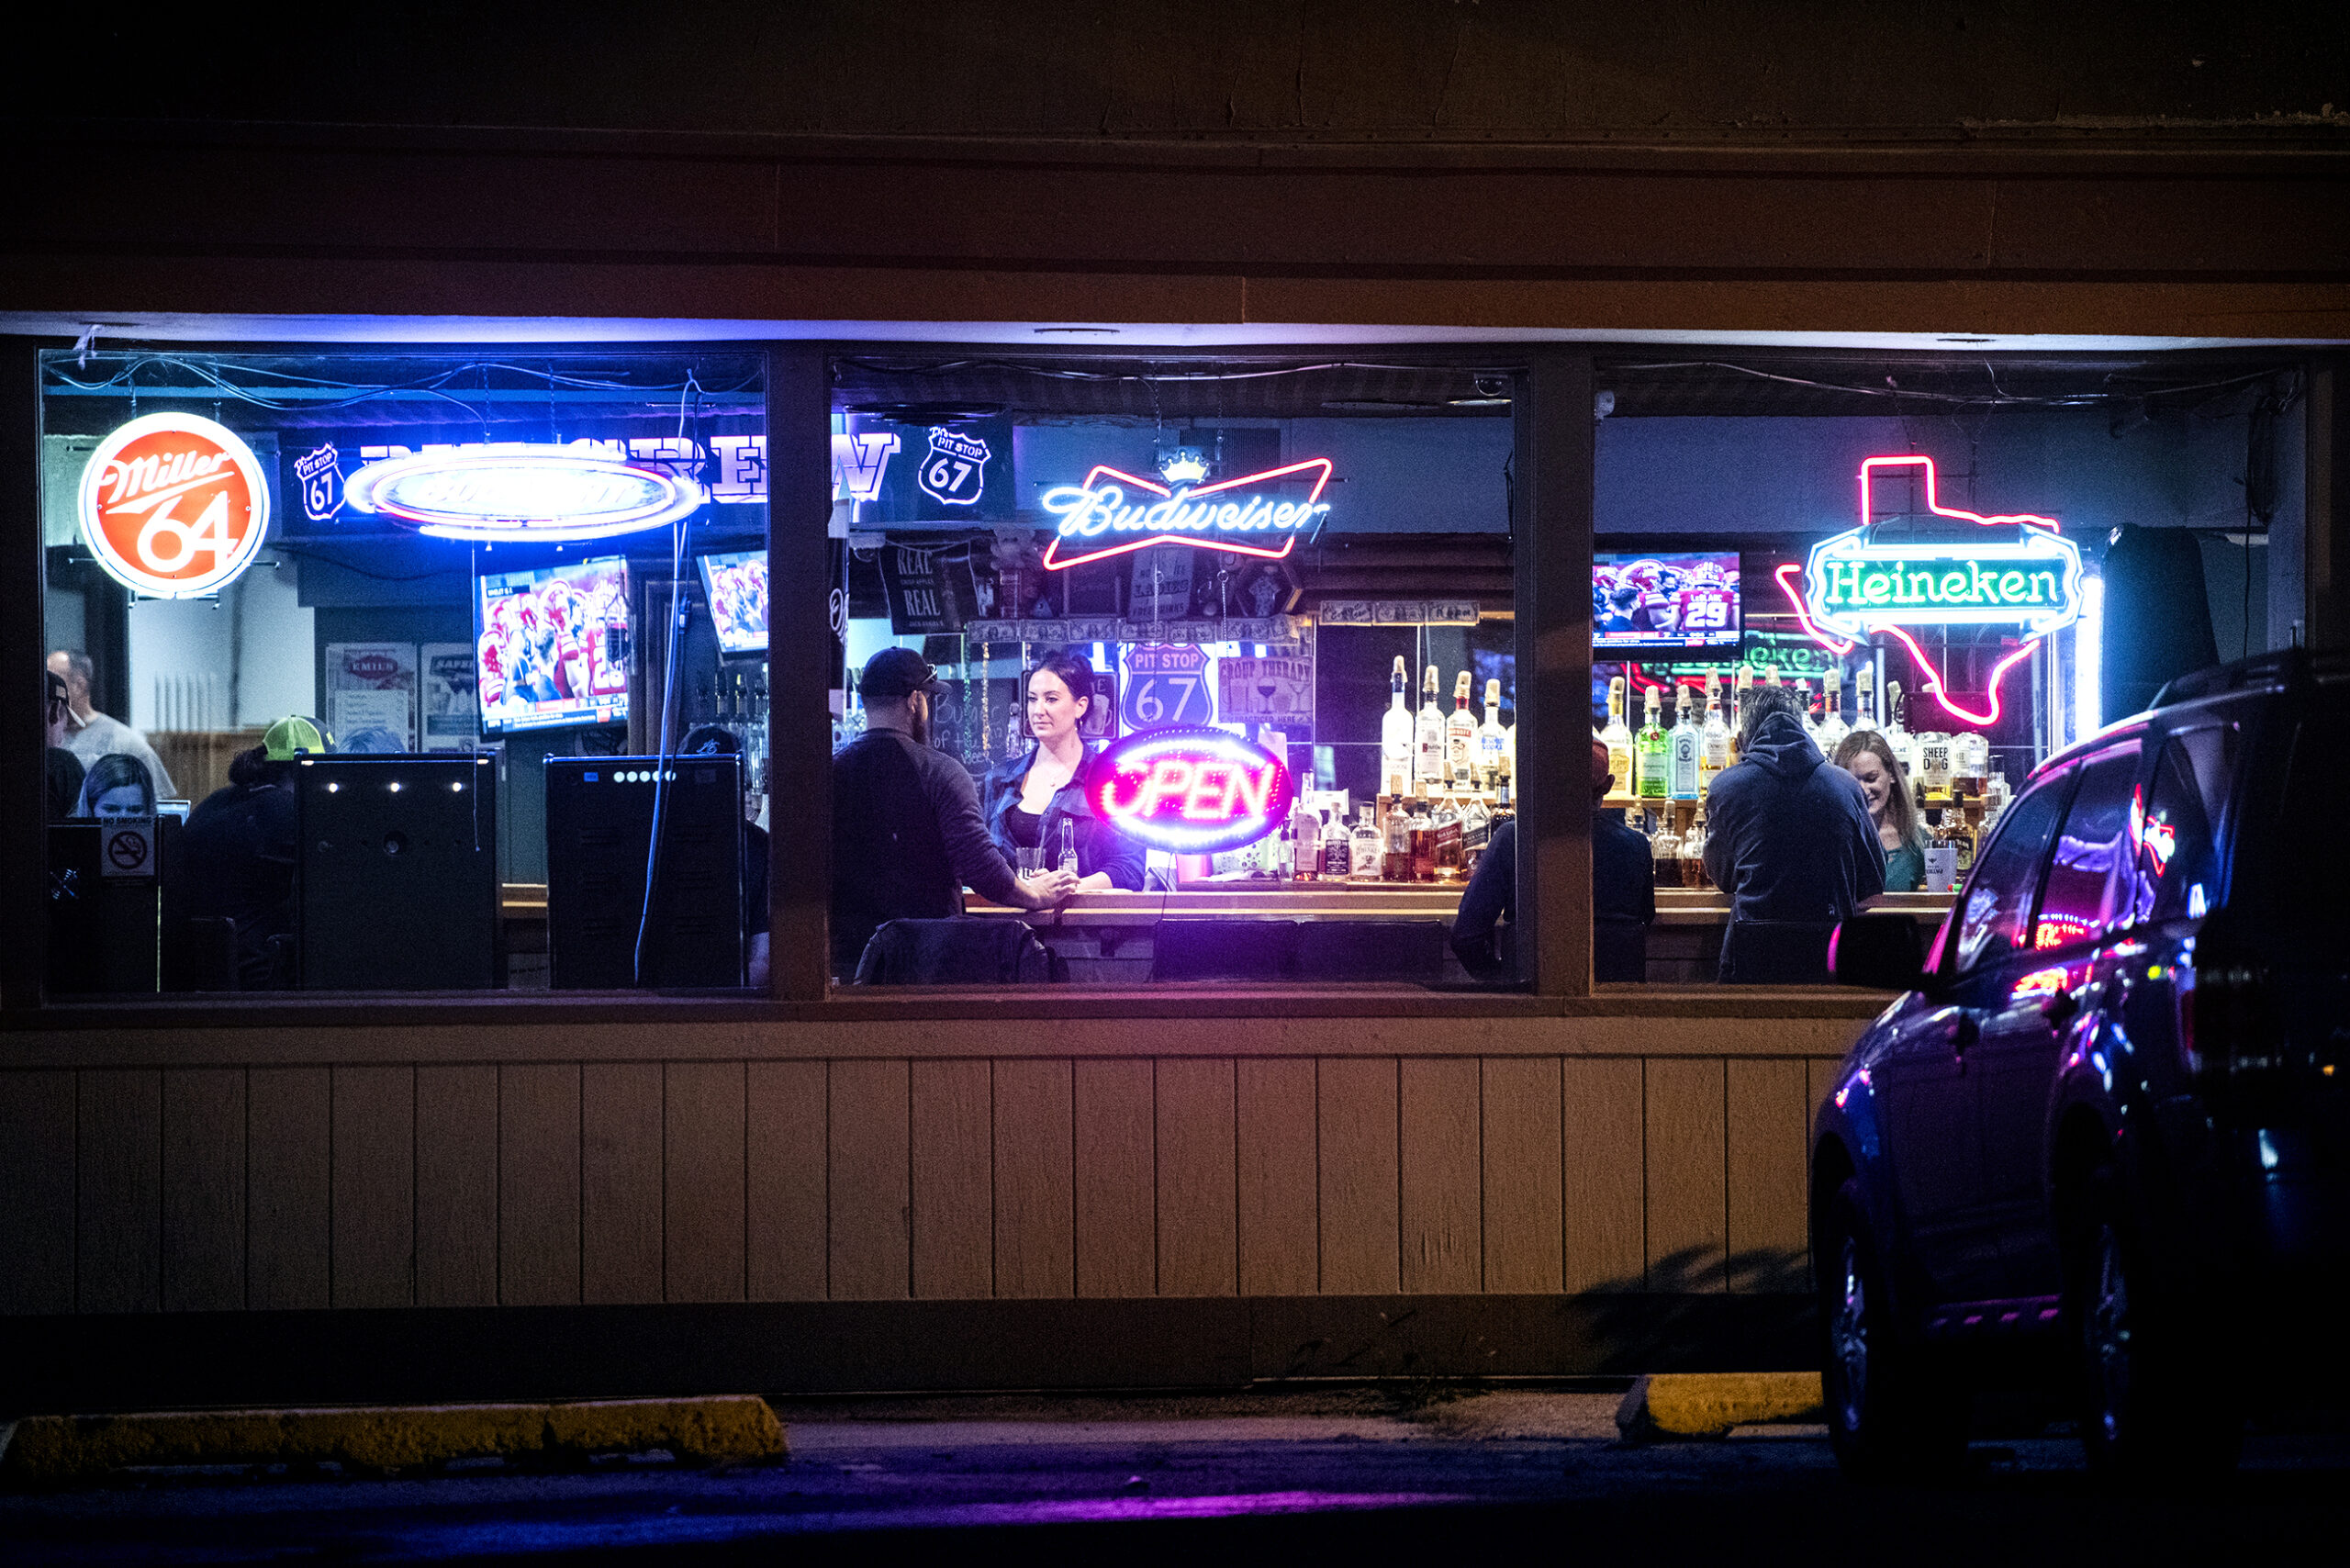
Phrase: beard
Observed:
(918, 723)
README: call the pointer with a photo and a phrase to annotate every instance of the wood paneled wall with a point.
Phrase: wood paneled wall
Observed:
(551, 1183)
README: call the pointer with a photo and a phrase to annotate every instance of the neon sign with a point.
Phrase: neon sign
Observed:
(174, 506)
(2028, 576)
(1191, 789)
(520, 491)
(1223, 516)
(954, 473)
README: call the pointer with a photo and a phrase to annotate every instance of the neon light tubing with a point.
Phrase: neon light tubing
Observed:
(2089, 658)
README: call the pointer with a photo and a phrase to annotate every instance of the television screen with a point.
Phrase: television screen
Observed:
(736, 586)
(1685, 599)
(545, 658)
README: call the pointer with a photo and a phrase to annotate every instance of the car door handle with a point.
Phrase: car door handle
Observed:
(2059, 1007)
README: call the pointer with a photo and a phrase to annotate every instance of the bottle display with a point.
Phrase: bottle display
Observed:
(1460, 738)
(1491, 741)
(1427, 766)
(1395, 735)
(1713, 755)
(1652, 758)
(1688, 744)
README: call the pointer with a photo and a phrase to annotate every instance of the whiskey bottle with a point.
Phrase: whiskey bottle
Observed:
(1365, 849)
(1338, 849)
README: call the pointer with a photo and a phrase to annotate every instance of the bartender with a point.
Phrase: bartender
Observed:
(1036, 799)
(907, 835)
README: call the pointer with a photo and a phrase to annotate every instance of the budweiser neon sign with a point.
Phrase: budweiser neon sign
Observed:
(2013, 569)
(1191, 789)
(1114, 513)
(174, 506)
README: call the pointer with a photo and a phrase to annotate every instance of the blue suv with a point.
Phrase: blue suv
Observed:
(2100, 1143)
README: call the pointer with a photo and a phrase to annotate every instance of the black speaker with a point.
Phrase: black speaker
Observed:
(396, 881)
(599, 827)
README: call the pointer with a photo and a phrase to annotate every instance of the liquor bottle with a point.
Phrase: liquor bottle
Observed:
(1491, 742)
(1509, 744)
(1395, 864)
(1476, 832)
(1692, 854)
(1653, 759)
(1664, 855)
(1744, 684)
(1364, 849)
(1619, 740)
(1832, 729)
(1427, 766)
(1338, 849)
(1501, 806)
(1305, 845)
(1395, 734)
(1445, 836)
(1460, 738)
(1933, 763)
(1713, 752)
(1422, 829)
(1970, 763)
(1898, 737)
(1688, 743)
(1863, 695)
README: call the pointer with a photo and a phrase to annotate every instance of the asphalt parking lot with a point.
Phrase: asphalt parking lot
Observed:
(1152, 1479)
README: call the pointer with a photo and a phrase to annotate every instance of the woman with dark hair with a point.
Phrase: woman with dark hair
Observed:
(118, 785)
(1029, 798)
(1869, 757)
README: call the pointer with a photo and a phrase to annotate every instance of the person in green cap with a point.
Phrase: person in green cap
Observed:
(239, 848)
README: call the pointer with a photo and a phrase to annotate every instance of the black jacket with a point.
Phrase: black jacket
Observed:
(906, 837)
(1790, 838)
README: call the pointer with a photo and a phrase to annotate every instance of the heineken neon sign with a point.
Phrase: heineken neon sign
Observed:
(1114, 513)
(2008, 569)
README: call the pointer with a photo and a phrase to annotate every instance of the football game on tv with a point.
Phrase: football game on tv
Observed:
(736, 586)
(1654, 602)
(545, 658)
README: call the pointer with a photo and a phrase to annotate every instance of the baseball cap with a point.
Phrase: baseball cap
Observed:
(294, 736)
(898, 672)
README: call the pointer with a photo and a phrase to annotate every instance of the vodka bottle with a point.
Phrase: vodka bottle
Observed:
(1832, 729)
(1427, 766)
(1395, 735)
(1619, 740)
(1714, 751)
(1652, 761)
(1365, 849)
(1460, 738)
(1491, 741)
(1688, 743)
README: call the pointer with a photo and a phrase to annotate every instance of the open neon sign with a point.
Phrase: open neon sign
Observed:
(1114, 511)
(1855, 584)
(1191, 789)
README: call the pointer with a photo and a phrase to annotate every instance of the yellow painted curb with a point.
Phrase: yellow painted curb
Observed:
(1707, 1405)
(57, 1451)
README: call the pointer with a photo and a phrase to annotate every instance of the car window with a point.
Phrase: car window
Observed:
(1998, 895)
(2092, 875)
(2176, 856)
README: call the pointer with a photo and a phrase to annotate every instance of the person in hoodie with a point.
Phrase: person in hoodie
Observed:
(1790, 839)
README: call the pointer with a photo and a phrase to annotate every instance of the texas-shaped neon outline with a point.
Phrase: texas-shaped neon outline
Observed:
(1054, 564)
(1933, 676)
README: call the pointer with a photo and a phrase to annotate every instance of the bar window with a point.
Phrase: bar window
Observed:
(405, 671)
(1928, 573)
(1171, 672)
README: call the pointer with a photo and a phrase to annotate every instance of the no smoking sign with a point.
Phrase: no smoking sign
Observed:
(130, 846)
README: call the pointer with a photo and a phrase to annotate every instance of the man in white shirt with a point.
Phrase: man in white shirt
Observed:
(90, 734)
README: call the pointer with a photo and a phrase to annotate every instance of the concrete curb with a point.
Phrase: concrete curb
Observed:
(59, 1451)
(1666, 1406)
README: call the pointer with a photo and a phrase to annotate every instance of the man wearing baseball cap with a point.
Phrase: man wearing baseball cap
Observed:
(907, 835)
(239, 846)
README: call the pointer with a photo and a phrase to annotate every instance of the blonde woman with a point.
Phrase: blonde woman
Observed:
(1869, 757)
